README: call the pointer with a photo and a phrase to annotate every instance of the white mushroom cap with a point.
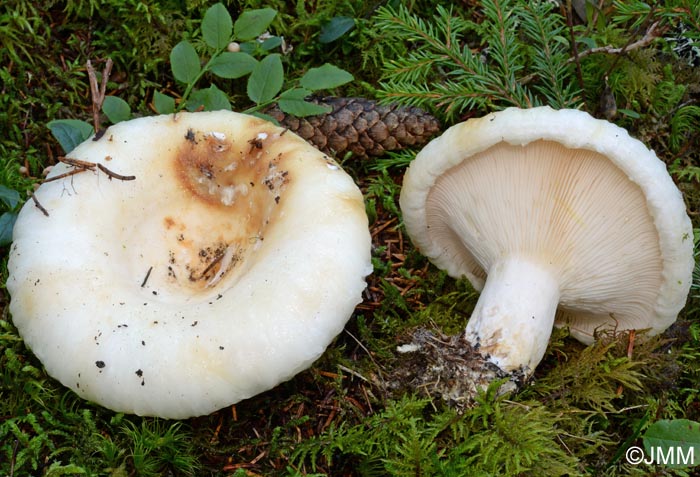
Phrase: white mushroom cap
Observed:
(226, 267)
(550, 210)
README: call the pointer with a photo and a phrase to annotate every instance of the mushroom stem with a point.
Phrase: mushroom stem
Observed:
(513, 318)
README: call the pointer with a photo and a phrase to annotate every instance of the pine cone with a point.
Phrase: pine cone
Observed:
(361, 126)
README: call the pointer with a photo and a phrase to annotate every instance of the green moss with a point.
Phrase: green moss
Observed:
(585, 406)
(410, 438)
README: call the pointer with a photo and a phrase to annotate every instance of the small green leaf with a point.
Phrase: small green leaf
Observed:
(325, 77)
(673, 441)
(253, 23)
(232, 65)
(209, 99)
(293, 102)
(271, 43)
(264, 116)
(217, 26)
(70, 132)
(7, 223)
(334, 29)
(250, 47)
(57, 468)
(163, 103)
(116, 109)
(9, 197)
(185, 62)
(266, 79)
(589, 42)
(630, 113)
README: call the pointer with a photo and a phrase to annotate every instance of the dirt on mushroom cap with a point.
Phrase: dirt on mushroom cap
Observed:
(191, 287)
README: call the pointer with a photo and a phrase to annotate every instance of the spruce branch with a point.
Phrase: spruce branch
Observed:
(442, 73)
(549, 51)
(439, 41)
(410, 94)
(569, 15)
(505, 50)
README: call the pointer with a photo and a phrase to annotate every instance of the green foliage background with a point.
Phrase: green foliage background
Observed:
(458, 60)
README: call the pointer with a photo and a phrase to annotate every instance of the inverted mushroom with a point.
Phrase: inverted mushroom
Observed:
(558, 219)
(225, 267)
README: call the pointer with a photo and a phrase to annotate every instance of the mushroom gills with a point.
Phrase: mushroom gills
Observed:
(559, 219)
(551, 205)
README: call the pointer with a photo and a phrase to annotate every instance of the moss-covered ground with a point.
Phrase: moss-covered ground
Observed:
(585, 405)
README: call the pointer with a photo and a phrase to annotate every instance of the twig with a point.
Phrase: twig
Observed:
(596, 14)
(64, 175)
(88, 166)
(353, 372)
(98, 92)
(216, 260)
(14, 458)
(81, 166)
(648, 37)
(39, 206)
(629, 44)
(114, 175)
(148, 274)
(630, 343)
(379, 370)
(576, 58)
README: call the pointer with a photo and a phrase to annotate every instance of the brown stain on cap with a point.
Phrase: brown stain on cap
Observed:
(242, 181)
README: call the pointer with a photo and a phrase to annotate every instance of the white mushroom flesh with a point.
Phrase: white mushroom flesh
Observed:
(227, 266)
(538, 219)
(550, 210)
